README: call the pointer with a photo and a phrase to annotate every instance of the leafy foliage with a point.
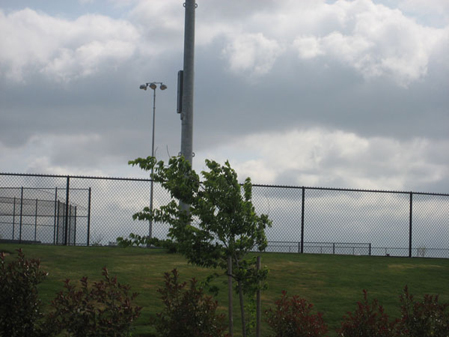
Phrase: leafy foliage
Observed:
(219, 221)
(104, 309)
(293, 317)
(369, 320)
(138, 240)
(426, 318)
(188, 312)
(20, 306)
(225, 219)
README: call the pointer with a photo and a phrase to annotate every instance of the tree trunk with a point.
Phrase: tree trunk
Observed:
(259, 304)
(242, 308)
(230, 314)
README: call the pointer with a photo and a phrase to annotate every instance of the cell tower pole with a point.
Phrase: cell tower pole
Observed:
(188, 81)
(188, 85)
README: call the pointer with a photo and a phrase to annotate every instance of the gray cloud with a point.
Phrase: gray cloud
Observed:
(362, 69)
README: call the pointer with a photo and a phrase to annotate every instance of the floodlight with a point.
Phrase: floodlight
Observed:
(153, 86)
(163, 86)
(143, 86)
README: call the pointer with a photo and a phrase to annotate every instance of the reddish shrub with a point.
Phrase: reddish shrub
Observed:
(20, 313)
(426, 318)
(369, 320)
(293, 317)
(104, 309)
(188, 312)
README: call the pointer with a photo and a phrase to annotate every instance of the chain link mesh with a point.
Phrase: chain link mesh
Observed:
(357, 222)
(430, 225)
(309, 220)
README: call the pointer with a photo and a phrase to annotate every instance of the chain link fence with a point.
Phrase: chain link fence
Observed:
(30, 214)
(305, 219)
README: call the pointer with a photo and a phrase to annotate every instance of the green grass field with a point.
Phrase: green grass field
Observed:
(332, 283)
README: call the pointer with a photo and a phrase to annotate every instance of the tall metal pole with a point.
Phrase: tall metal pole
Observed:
(188, 81)
(188, 86)
(153, 86)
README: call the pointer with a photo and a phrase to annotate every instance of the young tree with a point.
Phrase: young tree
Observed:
(220, 221)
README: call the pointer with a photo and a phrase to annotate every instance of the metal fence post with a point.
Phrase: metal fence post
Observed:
(57, 223)
(21, 212)
(67, 210)
(35, 223)
(74, 230)
(88, 217)
(13, 219)
(69, 228)
(55, 213)
(411, 226)
(302, 219)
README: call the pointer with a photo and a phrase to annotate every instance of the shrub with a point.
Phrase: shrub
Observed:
(20, 313)
(187, 312)
(137, 240)
(293, 317)
(369, 320)
(426, 318)
(104, 309)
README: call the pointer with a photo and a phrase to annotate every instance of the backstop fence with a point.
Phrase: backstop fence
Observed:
(37, 214)
(305, 219)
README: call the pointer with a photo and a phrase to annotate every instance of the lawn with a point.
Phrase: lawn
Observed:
(332, 283)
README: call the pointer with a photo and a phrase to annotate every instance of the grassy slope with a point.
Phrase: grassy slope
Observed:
(333, 283)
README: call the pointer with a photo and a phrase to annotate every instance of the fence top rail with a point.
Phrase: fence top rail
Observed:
(321, 242)
(41, 188)
(70, 176)
(19, 200)
(351, 190)
(254, 185)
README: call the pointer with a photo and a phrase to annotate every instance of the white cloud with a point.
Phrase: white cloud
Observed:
(253, 53)
(308, 46)
(320, 157)
(371, 38)
(375, 40)
(62, 49)
(381, 42)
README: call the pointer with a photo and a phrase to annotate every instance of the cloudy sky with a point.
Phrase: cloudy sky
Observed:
(347, 93)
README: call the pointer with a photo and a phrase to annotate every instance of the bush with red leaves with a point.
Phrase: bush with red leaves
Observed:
(103, 309)
(187, 312)
(426, 318)
(368, 320)
(293, 317)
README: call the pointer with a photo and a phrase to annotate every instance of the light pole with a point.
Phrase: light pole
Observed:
(162, 86)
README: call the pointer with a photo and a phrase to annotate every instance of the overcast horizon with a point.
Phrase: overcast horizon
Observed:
(344, 94)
